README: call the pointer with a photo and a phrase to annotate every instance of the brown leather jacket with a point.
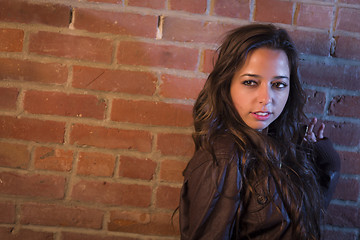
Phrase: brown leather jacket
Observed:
(210, 197)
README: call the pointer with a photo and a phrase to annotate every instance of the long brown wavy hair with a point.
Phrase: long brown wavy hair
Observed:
(277, 155)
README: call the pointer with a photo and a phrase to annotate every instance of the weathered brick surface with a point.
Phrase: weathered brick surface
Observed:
(171, 170)
(112, 193)
(11, 40)
(96, 102)
(7, 215)
(131, 167)
(8, 97)
(153, 113)
(117, 23)
(55, 103)
(347, 189)
(274, 11)
(8, 233)
(317, 16)
(175, 144)
(147, 54)
(14, 155)
(27, 12)
(71, 46)
(189, 5)
(110, 138)
(232, 8)
(347, 19)
(167, 197)
(34, 185)
(183, 30)
(132, 82)
(96, 164)
(344, 106)
(31, 129)
(57, 215)
(343, 216)
(53, 159)
(143, 222)
(23, 70)
(157, 4)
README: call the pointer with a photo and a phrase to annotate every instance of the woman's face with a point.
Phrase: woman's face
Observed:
(260, 88)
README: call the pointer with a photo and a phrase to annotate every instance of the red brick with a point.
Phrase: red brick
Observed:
(11, 69)
(171, 170)
(232, 8)
(156, 4)
(122, 23)
(343, 216)
(153, 113)
(8, 233)
(7, 215)
(315, 101)
(344, 106)
(208, 60)
(143, 222)
(143, 83)
(33, 185)
(8, 98)
(316, 43)
(71, 46)
(167, 197)
(317, 16)
(112, 193)
(350, 1)
(350, 162)
(14, 155)
(327, 75)
(347, 47)
(275, 11)
(336, 235)
(347, 189)
(112, 138)
(343, 133)
(11, 40)
(32, 129)
(132, 167)
(25, 12)
(347, 19)
(188, 5)
(96, 164)
(180, 87)
(53, 159)
(106, 1)
(147, 54)
(175, 144)
(200, 31)
(58, 215)
(82, 236)
(70, 105)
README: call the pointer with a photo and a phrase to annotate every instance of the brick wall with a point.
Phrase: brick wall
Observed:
(96, 99)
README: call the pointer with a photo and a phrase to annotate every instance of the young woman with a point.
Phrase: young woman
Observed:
(257, 173)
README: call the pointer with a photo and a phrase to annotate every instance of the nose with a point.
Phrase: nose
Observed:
(264, 96)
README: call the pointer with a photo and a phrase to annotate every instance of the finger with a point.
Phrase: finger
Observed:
(311, 125)
(321, 131)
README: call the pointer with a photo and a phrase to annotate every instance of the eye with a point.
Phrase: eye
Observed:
(249, 83)
(279, 85)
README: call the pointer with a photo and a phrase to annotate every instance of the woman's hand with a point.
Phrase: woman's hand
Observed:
(310, 136)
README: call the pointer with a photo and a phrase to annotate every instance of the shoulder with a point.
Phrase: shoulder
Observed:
(223, 151)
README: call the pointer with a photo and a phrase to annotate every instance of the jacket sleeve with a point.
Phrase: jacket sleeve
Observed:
(327, 163)
(209, 198)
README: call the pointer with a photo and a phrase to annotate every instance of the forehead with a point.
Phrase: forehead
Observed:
(266, 58)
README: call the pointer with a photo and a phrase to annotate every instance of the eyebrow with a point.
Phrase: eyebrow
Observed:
(258, 76)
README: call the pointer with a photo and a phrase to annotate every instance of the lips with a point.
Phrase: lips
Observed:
(261, 116)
